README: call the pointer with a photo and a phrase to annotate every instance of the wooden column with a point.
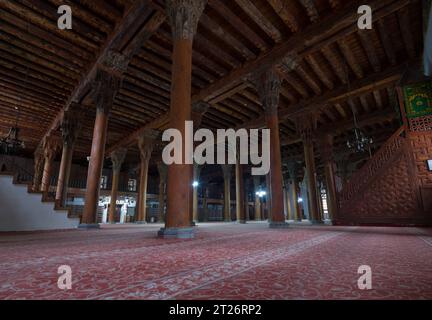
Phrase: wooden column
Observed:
(306, 126)
(105, 87)
(145, 144)
(38, 169)
(268, 85)
(257, 184)
(198, 110)
(184, 16)
(246, 197)
(288, 201)
(50, 149)
(240, 204)
(227, 173)
(70, 127)
(292, 171)
(163, 173)
(326, 146)
(117, 158)
(196, 175)
(205, 208)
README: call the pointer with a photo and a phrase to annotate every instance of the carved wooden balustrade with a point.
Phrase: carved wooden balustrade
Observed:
(363, 177)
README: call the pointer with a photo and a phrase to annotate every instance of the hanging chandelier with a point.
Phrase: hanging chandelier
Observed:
(359, 143)
(10, 144)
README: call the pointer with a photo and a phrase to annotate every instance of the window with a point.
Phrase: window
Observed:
(104, 182)
(132, 185)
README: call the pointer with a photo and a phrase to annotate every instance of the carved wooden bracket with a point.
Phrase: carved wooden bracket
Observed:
(184, 16)
(198, 110)
(117, 158)
(163, 171)
(268, 84)
(146, 142)
(306, 125)
(70, 126)
(105, 87)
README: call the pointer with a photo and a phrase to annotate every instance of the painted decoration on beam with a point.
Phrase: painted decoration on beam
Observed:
(418, 100)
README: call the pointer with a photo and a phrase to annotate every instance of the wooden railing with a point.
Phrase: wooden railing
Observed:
(362, 178)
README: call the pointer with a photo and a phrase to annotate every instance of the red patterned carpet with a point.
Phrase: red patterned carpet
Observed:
(224, 261)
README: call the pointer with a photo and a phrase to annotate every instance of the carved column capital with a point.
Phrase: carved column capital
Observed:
(289, 63)
(146, 143)
(268, 85)
(104, 89)
(70, 126)
(163, 171)
(115, 62)
(306, 125)
(198, 110)
(184, 16)
(117, 158)
(293, 170)
(51, 145)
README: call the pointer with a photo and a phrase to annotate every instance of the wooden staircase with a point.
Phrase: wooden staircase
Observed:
(383, 191)
(19, 204)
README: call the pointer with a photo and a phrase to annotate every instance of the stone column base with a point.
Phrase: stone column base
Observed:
(140, 222)
(241, 222)
(278, 225)
(179, 233)
(89, 226)
(193, 223)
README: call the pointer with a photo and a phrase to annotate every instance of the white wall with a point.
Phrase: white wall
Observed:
(22, 211)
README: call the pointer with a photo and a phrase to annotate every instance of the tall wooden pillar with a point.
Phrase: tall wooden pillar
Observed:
(163, 172)
(105, 87)
(198, 111)
(50, 149)
(268, 85)
(246, 197)
(326, 146)
(288, 201)
(184, 16)
(306, 126)
(257, 184)
(117, 158)
(196, 175)
(240, 203)
(226, 169)
(70, 127)
(145, 145)
(292, 171)
(205, 208)
(38, 169)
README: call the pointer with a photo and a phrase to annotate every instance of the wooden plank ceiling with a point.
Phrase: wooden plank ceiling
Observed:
(338, 69)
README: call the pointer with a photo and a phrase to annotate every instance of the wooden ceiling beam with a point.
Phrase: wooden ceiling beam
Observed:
(220, 7)
(350, 58)
(226, 37)
(311, 9)
(256, 15)
(132, 16)
(281, 8)
(387, 42)
(407, 34)
(324, 30)
(367, 41)
(321, 70)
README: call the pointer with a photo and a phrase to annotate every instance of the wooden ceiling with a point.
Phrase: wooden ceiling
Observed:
(339, 69)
